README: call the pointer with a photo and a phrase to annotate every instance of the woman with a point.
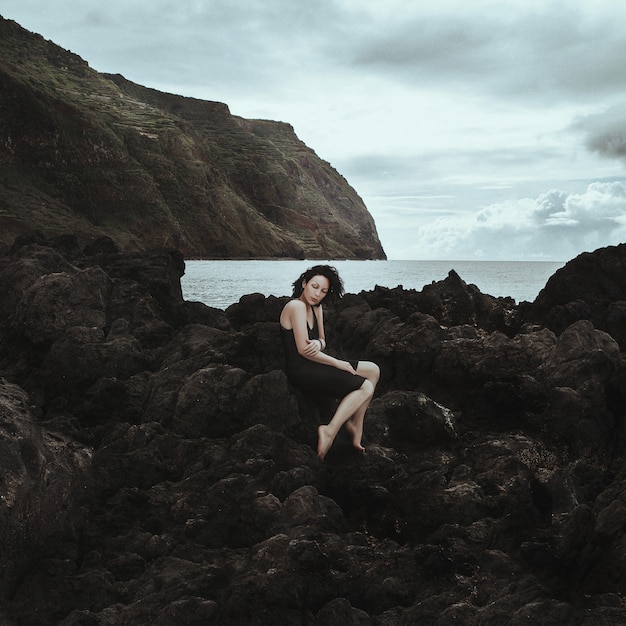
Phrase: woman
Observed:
(312, 370)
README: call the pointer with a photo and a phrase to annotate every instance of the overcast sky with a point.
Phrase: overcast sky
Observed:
(479, 129)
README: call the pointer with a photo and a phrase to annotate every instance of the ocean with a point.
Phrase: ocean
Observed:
(221, 283)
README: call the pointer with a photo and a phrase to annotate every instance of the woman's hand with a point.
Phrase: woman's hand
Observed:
(345, 365)
(313, 346)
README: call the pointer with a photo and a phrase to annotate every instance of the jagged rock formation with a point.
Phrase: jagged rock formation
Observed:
(157, 468)
(589, 287)
(94, 154)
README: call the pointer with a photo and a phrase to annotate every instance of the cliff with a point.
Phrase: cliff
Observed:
(95, 154)
(157, 467)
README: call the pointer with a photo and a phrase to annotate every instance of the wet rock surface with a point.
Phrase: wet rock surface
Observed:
(158, 468)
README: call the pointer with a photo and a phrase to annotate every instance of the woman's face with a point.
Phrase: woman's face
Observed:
(314, 291)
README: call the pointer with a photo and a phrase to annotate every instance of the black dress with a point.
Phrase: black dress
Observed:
(316, 378)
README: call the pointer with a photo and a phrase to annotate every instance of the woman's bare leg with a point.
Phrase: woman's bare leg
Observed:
(354, 425)
(350, 405)
(369, 370)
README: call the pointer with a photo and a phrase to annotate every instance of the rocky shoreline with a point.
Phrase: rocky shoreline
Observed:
(157, 468)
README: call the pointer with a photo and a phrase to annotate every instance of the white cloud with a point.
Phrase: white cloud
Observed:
(555, 226)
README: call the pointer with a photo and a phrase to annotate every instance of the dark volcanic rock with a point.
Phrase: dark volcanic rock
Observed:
(44, 473)
(589, 287)
(157, 467)
(451, 302)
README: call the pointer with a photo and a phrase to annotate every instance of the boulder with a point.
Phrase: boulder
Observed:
(44, 475)
(589, 287)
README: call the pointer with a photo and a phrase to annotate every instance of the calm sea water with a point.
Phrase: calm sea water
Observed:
(221, 283)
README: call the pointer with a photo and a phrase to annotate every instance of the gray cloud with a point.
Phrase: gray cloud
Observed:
(559, 51)
(605, 132)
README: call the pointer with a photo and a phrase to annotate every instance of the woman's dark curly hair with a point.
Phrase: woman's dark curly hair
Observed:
(335, 287)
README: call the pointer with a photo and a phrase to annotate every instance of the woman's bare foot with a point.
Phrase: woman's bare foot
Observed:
(356, 434)
(324, 442)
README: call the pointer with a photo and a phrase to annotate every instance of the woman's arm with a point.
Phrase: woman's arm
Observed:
(296, 319)
(309, 348)
(319, 313)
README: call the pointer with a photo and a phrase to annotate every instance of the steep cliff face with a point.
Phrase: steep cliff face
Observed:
(95, 154)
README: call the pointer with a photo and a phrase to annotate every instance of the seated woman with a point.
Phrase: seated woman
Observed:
(316, 373)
